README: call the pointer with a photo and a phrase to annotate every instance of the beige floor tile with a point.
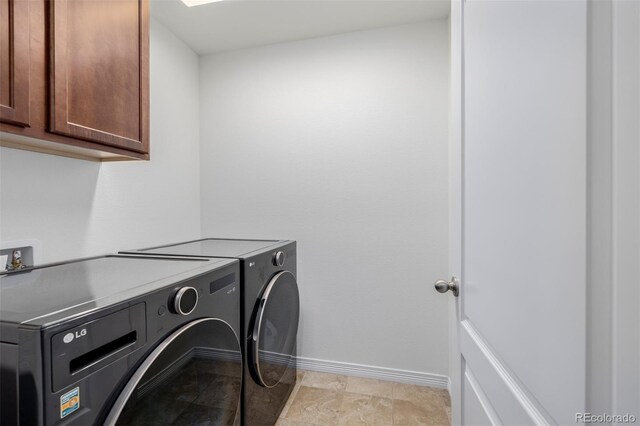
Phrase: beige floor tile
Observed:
(421, 394)
(316, 406)
(292, 396)
(300, 375)
(371, 387)
(320, 399)
(284, 422)
(314, 379)
(357, 409)
(407, 413)
(447, 399)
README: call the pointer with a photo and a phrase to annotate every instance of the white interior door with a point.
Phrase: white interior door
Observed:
(519, 188)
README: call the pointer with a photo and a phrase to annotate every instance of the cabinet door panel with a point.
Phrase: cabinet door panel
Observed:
(14, 62)
(100, 71)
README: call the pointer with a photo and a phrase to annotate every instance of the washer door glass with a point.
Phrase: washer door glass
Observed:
(193, 377)
(275, 327)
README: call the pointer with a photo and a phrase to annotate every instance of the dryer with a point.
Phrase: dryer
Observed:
(270, 315)
(121, 340)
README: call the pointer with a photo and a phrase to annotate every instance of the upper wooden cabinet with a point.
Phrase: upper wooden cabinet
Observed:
(99, 81)
(84, 72)
(14, 62)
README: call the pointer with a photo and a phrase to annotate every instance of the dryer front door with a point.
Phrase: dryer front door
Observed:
(193, 377)
(275, 326)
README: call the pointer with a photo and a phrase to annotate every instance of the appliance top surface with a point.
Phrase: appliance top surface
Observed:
(45, 295)
(214, 247)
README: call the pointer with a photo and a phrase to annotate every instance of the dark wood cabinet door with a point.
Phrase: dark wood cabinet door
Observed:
(99, 85)
(14, 62)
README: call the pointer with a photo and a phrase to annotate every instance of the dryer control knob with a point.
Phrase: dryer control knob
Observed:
(185, 300)
(278, 258)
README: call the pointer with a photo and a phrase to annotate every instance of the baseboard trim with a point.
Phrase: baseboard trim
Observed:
(372, 372)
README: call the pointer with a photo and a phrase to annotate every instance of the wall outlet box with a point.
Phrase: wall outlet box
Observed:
(30, 251)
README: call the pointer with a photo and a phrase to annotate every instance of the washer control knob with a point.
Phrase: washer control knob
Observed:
(278, 258)
(185, 300)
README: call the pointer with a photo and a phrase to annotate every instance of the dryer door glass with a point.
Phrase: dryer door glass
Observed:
(273, 341)
(192, 377)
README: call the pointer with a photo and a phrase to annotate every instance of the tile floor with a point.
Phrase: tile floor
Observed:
(330, 399)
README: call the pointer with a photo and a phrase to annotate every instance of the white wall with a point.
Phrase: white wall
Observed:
(341, 143)
(79, 208)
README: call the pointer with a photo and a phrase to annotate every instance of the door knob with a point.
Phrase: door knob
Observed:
(443, 286)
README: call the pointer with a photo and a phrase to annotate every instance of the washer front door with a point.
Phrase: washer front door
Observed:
(273, 341)
(192, 377)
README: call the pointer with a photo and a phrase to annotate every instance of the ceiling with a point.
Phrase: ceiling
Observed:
(238, 24)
